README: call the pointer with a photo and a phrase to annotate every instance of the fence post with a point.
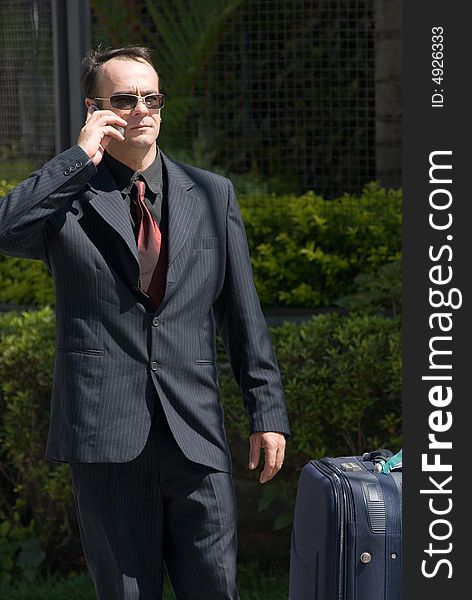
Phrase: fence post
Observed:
(71, 40)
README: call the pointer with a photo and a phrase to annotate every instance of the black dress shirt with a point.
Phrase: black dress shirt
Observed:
(154, 179)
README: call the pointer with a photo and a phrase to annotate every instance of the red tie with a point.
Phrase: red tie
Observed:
(151, 249)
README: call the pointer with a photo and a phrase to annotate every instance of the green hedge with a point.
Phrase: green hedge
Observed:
(306, 251)
(342, 378)
(34, 493)
(23, 281)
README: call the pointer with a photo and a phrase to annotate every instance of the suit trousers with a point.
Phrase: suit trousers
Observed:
(158, 509)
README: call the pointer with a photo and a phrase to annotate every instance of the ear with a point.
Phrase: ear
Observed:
(89, 102)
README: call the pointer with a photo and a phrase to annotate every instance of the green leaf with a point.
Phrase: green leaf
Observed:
(31, 555)
(269, 494)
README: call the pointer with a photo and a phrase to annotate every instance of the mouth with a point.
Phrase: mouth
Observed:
(141, 126)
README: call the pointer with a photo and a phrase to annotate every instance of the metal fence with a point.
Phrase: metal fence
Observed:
(287, 92)
(26, 85)
(292, 95)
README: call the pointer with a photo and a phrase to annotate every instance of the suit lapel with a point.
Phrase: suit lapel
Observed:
(182, 203)
(106, 199)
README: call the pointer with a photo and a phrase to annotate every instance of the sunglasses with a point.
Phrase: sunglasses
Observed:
(130, 101)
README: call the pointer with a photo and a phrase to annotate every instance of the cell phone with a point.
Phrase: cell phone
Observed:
(94, 107)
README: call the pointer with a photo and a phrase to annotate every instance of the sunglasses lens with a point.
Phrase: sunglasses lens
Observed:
(155, 101)
(123, 101)
(129, 101)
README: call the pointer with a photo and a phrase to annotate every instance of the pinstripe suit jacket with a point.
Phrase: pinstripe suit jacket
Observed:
(113, 353)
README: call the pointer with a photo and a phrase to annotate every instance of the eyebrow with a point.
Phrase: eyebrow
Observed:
(146, 93)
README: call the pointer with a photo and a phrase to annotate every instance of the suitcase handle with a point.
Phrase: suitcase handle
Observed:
(376, 456)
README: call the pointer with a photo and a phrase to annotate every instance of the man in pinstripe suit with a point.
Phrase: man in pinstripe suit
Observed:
(135, 402)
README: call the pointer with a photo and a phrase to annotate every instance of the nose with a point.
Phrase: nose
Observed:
(140, 108)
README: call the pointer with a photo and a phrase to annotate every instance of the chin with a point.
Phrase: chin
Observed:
(142, 139)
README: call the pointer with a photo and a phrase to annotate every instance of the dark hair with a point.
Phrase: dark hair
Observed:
(94, 59)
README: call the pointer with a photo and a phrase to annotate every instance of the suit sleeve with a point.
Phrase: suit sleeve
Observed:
(25, 211)
(245, 333)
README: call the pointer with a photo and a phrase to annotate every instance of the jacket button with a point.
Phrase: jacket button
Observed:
(78, 164)
(155, 322)
(72, 168)
(154, 366)
(67, 172)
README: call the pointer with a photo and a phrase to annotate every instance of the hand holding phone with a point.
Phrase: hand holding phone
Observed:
(100, 128)
(94, 107)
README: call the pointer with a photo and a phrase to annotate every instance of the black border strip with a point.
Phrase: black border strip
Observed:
(437, 358)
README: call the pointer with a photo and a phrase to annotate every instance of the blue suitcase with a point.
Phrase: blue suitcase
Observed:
(346, 535)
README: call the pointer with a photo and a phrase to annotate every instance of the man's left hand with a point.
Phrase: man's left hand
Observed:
(274, 452)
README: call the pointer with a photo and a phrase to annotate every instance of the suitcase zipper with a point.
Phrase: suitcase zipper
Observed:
(348, 517)
(347, 493)
(344, 513)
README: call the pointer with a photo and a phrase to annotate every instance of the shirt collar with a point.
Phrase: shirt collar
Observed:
(125, 176)
(153, 174)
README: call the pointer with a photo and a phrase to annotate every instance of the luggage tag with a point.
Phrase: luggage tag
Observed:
(394, 463)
